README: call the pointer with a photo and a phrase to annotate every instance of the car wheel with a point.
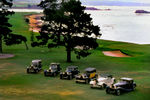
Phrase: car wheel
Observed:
(91, 86)
(118, 92)
(103, 86)
(28, 71)
(60, 76)
(76, 81)
(54, 74)
(133, 87)
(108, 91)
(70, 77)
(36, 71)
(45, 74)
(86, 81)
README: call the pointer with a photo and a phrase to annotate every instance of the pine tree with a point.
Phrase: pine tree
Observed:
(66, 24)
(6, 34)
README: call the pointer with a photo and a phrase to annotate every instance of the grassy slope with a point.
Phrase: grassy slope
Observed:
(15, 84)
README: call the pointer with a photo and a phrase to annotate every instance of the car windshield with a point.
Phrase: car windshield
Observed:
(84, 75)
(34, 64)
(53, 67)
(69, 69)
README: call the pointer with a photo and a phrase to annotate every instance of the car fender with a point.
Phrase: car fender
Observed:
(92, 82)
(119, 88)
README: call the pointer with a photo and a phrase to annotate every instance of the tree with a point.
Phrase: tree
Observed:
(66, 24)
(6, 34)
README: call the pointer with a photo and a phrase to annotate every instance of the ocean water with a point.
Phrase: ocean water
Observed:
(119, 24)
(122, 24)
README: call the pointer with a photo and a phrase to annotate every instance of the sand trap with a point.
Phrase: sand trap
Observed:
(35, 22)
(3, 56)
(116, 53)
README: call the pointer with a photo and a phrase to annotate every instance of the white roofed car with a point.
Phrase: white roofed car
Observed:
(35, 66)
(102, 81)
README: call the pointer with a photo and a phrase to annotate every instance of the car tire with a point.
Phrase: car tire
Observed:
(133, 87)
(92, 86)
(54, 74)
(76, 81)
(118, 92)
(108, 90)
(35, 71)
(60, 76)
(45, 73)
(86, 81)
(103, 86)
(28, 71)
(70, 77)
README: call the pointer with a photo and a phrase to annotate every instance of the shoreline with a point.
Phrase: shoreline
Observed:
(40, 11)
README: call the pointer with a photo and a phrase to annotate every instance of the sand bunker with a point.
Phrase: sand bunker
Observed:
(35, 22)
(3, 56)
(116, 53)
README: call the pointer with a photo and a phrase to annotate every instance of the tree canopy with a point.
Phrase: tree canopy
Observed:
(6, 34)
(66, 24)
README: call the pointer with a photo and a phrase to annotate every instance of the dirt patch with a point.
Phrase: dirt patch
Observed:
(5, 76)
(35, 22)
(66, 93)
(116, 53)
(25, 91)
(4, 56)
(4, 65)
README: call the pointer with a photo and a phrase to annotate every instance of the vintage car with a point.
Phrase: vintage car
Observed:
(70, 72)
(54, 69)
(86, 77)
(35, 67)
(124, 85)
(102, 81)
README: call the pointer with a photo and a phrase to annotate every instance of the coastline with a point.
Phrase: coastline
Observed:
(27, 10)
(110, 39)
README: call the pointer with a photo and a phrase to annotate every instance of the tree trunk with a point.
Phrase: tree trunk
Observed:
(59, 32)
(69, 48)
(1, 50)
(68, 55)
(27, 48)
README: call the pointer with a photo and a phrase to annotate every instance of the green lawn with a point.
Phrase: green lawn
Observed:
(15, 84)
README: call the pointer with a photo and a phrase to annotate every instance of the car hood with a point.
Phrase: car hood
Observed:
(101, 79)
(81, 75)
(53, 70)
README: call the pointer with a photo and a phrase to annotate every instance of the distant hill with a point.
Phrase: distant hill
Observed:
(27, 1)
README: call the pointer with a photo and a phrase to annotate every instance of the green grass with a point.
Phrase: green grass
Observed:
(15, 84)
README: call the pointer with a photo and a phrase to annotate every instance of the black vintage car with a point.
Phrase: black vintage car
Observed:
(53, 70)
(124, 85)
(35, 67)
(70, 72)
(89, 74)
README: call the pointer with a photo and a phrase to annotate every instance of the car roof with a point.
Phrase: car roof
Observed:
(126, 78)
(90, 69)
(72, 67)
(55, 64)
(37, 60)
